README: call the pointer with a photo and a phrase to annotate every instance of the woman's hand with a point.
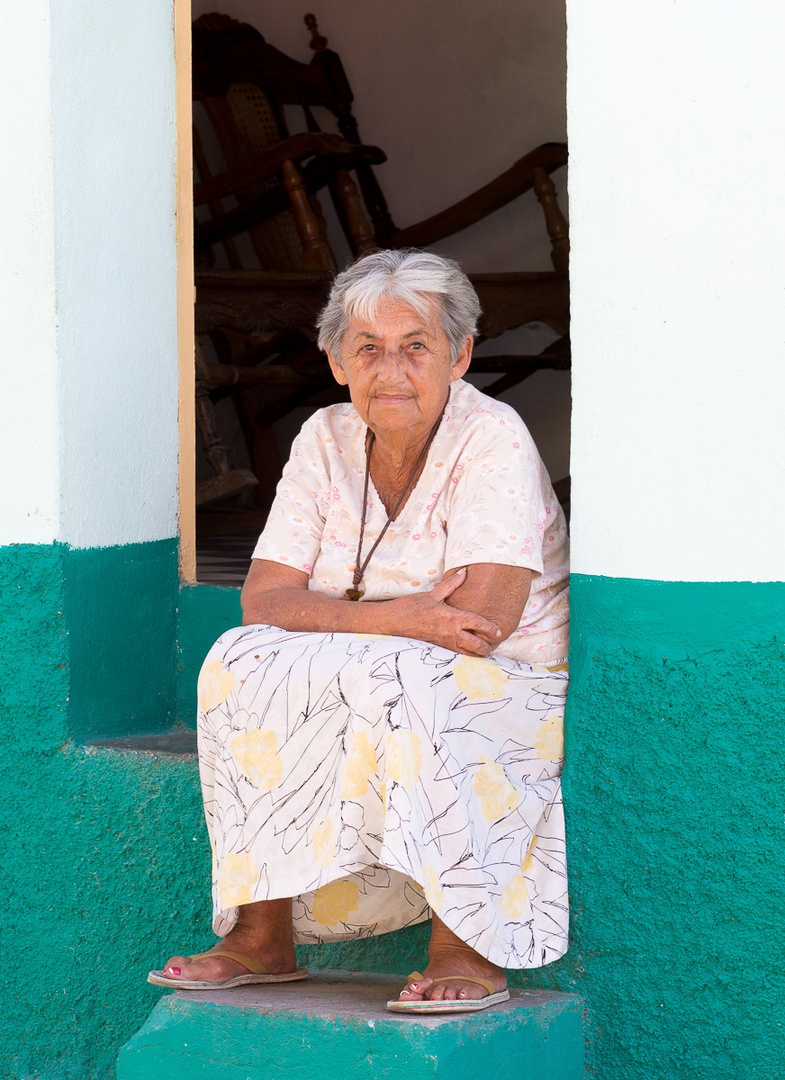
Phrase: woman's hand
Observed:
(428, 617)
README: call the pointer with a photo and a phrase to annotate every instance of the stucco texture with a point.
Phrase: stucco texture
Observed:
(99, 857)
(107, 863)
(674, 791)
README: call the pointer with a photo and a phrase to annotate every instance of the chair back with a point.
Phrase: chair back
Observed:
(243, 89)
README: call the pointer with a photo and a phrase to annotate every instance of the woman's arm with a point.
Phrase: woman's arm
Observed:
(278, 595)
(496, 591)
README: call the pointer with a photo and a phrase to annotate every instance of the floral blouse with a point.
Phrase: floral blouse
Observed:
(483, 497)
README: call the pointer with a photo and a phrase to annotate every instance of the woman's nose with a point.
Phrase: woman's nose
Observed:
(391, 364)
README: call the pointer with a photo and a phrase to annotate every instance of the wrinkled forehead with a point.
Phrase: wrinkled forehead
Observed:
(421, 307)
(421, 314)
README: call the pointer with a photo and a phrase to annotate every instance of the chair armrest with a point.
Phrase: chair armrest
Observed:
(506, 187)
(296, 148)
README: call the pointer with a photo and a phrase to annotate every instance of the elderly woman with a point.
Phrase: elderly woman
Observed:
(368, 765)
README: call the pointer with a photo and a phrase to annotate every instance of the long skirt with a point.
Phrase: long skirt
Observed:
(378, 779)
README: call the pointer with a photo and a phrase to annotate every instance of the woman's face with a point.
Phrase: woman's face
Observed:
(398, 369)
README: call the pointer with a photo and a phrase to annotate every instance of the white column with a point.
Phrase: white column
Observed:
(678, 289)
(114, 151)
(29, 432)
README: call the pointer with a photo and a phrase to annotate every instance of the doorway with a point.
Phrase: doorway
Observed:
(453, 94)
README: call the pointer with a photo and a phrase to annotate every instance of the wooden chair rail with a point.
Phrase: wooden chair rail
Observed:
(527, 365)
(510, 300)
(517, 180)
(268, 375)
(316, 174)
(259, 302)
(270, 161)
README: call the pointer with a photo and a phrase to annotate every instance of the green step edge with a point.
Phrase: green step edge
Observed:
(538, 1036)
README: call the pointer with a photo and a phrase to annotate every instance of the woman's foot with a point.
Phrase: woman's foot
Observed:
(263, 932)
(448, 956)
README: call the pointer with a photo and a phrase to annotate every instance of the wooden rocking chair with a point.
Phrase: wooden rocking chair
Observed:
(258, 213)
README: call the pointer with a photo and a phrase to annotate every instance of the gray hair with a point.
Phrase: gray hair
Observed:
(409, 276)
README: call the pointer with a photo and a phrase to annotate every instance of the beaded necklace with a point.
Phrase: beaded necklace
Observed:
(355, 592)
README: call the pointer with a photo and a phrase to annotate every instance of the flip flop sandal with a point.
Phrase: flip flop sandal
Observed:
(495, 997)
(257, 973)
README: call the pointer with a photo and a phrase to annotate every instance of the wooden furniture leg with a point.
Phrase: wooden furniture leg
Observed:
(227, 481)
(360, 230)
(316, 252)
(555, 221)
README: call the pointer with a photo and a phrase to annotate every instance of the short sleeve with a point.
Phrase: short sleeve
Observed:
(293, 532)
(501, 501)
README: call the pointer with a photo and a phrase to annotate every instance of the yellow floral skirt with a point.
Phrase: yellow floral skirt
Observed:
(375, 779)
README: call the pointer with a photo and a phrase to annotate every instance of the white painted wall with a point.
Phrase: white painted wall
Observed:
(678, 272)
(29, 433)
(114, 145)
(88, 336)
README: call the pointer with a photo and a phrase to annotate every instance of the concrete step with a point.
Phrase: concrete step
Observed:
(335, 1027)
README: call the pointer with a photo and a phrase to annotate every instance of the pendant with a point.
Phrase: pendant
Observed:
(354, 594)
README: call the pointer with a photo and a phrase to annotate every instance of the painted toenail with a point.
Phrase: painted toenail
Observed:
(174, 970)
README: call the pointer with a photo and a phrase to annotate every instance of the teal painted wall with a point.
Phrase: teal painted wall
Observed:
(106, 863)
(674, 787)
(103, 852)
(205, 612)
(111, 615)
(121, 614)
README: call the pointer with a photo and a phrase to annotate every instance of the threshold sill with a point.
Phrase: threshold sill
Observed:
(172, 744)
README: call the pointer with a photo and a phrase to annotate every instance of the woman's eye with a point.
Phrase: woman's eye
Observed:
(417, 345)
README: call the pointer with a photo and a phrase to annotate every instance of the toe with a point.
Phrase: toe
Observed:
(413, 991)
(173, 968)
(419, 989)
(206, 968)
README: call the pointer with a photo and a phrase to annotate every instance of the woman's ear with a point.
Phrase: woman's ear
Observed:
(464, 358)
(337, 370)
